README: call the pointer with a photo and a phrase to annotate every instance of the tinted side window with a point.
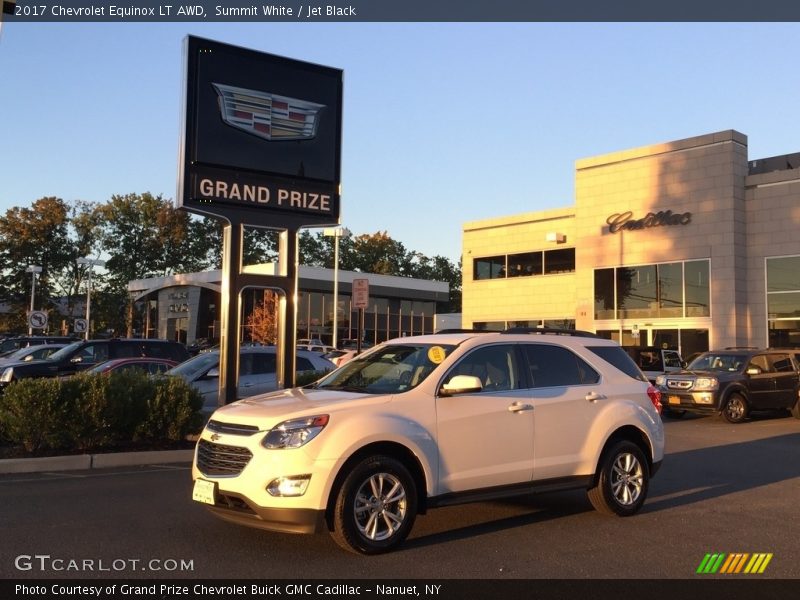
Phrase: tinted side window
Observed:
(556, 366)
(781, 363)
(761, 362)
(93, 353)
(616, 356)
(126, 350)
(672, 359)
(495, 366)
(264, 363)
(302, 364)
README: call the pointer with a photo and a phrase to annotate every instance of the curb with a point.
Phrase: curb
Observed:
(93, 461)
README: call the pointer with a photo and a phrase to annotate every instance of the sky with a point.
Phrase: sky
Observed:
(443, 123)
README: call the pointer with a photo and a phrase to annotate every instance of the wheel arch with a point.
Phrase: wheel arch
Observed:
(386, 448)
(734, 389)
(631, 434)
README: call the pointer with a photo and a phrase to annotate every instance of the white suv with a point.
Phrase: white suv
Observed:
(427, 421)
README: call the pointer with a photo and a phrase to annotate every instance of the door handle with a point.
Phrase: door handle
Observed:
(518, 407)
(594, 396)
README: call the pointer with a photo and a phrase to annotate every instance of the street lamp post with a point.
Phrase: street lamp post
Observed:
(336, 232)
(91, 262)
(33, 270)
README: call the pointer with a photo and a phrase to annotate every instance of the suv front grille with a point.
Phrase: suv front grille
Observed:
(219, 459)
(231, 428)
(679, 384)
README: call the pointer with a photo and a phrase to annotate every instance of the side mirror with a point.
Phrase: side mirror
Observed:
(76, 359)
(753, 371)
(461, 384)
(684, 364)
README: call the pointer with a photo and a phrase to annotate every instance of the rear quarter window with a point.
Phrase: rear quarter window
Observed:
(618, 358)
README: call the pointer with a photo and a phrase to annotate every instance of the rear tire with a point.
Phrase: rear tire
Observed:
(795, 410)
(375, 506)
(623, 479)
(736, 409)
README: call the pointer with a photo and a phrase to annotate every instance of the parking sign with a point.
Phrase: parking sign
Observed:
(360, 293)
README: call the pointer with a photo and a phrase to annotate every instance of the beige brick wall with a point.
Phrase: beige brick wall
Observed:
(773, 222)
(736, 221)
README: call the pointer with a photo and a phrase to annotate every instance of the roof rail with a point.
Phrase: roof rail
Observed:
(741, 348)
(551, 331)
(464, 331)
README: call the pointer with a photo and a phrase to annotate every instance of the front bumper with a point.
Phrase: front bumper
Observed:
(241, 470)
(238, 509)
(697, 402)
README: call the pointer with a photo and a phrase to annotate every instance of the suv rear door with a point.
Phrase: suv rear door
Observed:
(786, 379)
(565, 406)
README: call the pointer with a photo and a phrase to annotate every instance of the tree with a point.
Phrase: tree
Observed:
(39, 235)
(262, 323)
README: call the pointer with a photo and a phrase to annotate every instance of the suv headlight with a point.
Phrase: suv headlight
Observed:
(706, 384)
(661, 380)
(294, 433)
(8, 375)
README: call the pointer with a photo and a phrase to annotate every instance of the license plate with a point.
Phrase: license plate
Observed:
(204, 491)
(673, 400)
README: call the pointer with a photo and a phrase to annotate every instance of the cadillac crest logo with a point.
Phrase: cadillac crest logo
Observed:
(269, 116)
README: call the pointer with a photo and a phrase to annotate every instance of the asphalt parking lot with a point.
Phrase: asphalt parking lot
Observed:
(722, 489)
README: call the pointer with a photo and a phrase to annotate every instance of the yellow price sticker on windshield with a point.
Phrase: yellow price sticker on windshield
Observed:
(436, 354)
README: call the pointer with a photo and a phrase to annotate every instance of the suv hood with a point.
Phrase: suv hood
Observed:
(267, 410)
(719, 375)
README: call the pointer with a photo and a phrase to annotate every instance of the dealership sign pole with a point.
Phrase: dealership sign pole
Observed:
(261, 147)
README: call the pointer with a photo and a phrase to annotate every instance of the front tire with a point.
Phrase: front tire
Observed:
(623, 478)
(735, 410)
(376, 506)
(795, 410)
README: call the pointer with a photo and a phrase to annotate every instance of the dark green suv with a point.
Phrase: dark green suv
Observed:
(733, 382)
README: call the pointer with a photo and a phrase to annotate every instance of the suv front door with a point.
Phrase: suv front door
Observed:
(486, 438)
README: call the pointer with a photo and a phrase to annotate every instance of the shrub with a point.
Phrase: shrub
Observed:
(95, 411)
(32, 414)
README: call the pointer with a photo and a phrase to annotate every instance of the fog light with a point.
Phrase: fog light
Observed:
(289, 486)
(704, 399)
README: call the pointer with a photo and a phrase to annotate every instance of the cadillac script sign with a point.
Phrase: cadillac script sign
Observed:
(261, 137)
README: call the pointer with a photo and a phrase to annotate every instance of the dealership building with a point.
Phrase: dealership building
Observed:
(186, 307)
(687, 244)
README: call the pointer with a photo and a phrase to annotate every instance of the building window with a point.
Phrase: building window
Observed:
(524, 265)
(559, 261)
(783, 301)
(604, 303)
(492, 267)
(697, 288)
(667, 290)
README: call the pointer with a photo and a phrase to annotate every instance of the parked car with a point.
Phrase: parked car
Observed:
(23, 341)
(339, 357)
(256, 372)
(151, 366)
(655, 361)
(733, 383)
(30, 353)
(80, 356)
(351, 344)
(428, 421)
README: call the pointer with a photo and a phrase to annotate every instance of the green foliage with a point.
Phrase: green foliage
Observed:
(309, 377)
(172, 411)
(32, 414)
(88, 412)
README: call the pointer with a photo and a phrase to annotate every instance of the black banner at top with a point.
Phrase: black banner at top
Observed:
(400, 11)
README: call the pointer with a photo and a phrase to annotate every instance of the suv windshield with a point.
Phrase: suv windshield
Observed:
(389, 369)
(712, 361)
